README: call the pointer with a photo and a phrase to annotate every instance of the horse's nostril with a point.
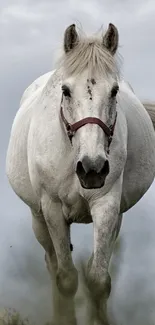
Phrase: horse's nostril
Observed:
(101, 164)
(79, 169)
(105, 169)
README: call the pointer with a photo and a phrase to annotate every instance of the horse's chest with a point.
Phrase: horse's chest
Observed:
(75, 208)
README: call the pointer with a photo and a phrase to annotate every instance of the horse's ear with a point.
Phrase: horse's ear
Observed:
(71, 38)
(111, 38)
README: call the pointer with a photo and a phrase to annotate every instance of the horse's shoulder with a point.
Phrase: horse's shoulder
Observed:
(35, 85)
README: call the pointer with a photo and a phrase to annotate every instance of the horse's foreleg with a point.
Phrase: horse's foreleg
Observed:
(106, 222)
(66, 277)
(43, 236)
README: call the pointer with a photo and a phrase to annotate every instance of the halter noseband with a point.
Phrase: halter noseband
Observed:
(72, 128)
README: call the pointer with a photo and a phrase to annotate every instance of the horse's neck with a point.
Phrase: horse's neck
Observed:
(54, 80)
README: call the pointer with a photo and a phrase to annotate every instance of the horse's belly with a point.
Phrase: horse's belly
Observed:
(16, 162)
(139, 174)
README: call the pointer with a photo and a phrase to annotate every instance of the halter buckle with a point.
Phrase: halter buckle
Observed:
(70, 132)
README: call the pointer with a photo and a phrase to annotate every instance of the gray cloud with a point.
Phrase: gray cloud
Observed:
(29, 29)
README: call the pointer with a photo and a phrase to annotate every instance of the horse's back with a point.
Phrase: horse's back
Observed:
(17, 160)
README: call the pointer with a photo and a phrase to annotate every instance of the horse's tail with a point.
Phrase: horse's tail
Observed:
(151, 111)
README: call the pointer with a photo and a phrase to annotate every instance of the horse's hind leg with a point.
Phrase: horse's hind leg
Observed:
(60, 304)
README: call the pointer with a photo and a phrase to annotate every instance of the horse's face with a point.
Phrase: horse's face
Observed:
(84, 97)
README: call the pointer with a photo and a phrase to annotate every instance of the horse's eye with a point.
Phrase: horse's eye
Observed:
(66, 91)
(114, 90)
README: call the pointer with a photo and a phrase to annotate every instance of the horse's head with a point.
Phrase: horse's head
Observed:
(89, 93)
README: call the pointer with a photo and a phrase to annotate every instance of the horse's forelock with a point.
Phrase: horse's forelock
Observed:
(89, 53)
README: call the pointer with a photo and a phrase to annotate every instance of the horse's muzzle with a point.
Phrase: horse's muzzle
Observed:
(92, 173)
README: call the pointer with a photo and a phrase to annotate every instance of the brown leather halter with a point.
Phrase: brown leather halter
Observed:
(72, 128)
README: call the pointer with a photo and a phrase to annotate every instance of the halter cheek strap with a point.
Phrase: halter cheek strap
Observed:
(72, 128)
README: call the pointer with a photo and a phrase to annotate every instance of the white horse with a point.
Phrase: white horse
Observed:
(82, 149)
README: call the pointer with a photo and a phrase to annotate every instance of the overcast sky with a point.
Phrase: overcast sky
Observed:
(31, 33)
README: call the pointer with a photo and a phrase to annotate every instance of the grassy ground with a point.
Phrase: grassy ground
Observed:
(11, 317)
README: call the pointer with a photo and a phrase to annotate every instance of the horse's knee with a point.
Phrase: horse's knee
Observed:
(99, 284)
(67, 281)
